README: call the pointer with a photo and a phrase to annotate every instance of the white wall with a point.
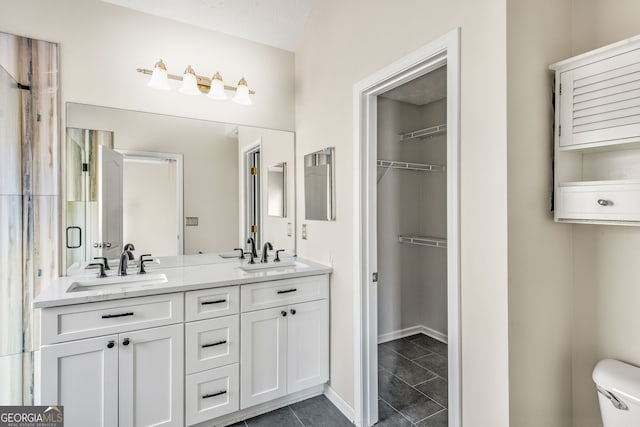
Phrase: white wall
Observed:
(606, 290)
(101, 45)
(345, 42)
(412, 280)
(540, 251)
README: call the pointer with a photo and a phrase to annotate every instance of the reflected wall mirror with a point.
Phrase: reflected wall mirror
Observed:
(277, 190)
(182, 184)
(319, 193)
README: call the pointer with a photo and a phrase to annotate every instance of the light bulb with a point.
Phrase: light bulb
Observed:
(159, 78)
(242, 93)
(217, 88)
(189, 82)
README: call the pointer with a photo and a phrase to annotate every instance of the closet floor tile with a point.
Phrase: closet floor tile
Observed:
(404, 398)
(435, 363)
(430, 344)
(406, 348)
(436, 389)
(441, 419)
(389, 417)
(403, 368)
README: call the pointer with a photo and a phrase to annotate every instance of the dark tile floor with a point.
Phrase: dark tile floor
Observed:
(412, 391)
(315, 412)
(412, 383)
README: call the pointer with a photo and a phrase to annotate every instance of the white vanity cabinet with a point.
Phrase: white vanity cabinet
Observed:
(597, 136)
(284, 349)
(191, 358)
(129, 378)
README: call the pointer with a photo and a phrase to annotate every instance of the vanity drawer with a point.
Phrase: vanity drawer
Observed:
(601, 202)
(212, 343)
(110, 317)
(282, 292)
(210, 303)
(211, 394)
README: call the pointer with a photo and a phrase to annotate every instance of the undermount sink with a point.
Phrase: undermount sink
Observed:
(258, 266)
(117, 281)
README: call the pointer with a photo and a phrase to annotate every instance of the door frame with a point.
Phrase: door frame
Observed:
(427, 58)
(245, 152)
(179, 159)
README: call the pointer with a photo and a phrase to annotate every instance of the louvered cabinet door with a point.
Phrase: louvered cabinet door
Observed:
(600, 102)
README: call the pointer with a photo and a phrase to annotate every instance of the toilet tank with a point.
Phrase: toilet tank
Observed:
(618, 386)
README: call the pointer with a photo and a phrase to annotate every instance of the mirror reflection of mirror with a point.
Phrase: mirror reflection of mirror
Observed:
(209, 218)
(319, 182)
(276, 190)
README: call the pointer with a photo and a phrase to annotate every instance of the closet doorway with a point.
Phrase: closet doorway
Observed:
(407, 303)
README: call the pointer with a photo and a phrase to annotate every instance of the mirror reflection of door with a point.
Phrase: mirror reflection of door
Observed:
(253, 201)
(110, 186)
(153, 200)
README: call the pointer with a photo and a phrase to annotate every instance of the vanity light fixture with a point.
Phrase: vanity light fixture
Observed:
(193, 84)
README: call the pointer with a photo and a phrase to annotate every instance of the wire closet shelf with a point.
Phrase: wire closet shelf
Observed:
(435, 242)
(420, 134)
(422, 167)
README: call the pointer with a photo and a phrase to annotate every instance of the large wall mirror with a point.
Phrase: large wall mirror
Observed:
(172, 185)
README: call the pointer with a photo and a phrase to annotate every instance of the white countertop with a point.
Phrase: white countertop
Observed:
(182, 275)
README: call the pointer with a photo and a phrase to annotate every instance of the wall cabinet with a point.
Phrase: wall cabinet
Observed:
(129, 379)
(185, 358)
(597, 136)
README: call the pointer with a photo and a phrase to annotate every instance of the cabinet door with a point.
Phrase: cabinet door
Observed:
(83, 377)
(151, 377)
(308, 345)
(600, 102)
(263, 359)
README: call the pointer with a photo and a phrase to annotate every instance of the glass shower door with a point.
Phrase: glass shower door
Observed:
(11, 295)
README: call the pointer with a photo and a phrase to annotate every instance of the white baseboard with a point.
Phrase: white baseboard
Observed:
(339, 403)
(420, 329)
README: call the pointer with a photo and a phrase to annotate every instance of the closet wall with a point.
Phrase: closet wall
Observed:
(412, 279)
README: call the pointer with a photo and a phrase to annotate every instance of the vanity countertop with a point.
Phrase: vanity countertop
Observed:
(179, 278)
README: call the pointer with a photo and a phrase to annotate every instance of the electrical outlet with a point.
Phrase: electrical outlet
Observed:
(289, 229)
(304, 231)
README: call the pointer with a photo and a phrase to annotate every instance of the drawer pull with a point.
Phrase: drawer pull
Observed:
(287, 291)
(218, 301)
(206, 396)
(213, 344)
(603, 202)
(111, 316)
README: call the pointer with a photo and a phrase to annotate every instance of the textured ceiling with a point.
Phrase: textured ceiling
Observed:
(277, 23)
(423, 90)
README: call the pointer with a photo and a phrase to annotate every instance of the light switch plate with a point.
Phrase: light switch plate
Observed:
(289, 229)
(191, 221)
(304, 231)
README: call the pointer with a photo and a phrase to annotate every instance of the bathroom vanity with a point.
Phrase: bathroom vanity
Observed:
(186, 345)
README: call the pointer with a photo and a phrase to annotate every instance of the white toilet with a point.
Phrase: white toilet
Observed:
(618, 385)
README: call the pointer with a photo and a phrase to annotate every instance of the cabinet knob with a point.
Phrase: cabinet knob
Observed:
(284, 313)
(111, 344)
(292, 311)
(603, 202)
(125, 341)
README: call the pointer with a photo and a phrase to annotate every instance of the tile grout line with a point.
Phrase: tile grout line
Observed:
(417, 364)
(295, 415)
(432, 415)
(397, 411)
(412, 387)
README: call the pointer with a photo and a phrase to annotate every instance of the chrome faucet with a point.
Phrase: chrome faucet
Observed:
(125, 257)
(253, 247)
(265, 255)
